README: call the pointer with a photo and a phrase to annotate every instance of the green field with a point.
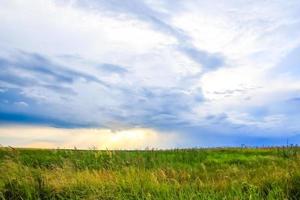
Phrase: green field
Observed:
(221, 173)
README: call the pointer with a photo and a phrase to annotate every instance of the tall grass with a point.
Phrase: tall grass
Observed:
(224, 173)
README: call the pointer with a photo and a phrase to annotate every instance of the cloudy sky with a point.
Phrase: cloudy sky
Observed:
(137, 73)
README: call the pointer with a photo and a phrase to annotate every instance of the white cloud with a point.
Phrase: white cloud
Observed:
(21, 104)
(52, 29)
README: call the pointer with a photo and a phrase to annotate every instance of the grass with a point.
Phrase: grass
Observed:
(221, 173)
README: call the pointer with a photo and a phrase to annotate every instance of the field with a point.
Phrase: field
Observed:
(220, 173)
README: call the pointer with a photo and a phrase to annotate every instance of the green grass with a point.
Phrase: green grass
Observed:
(221, 173)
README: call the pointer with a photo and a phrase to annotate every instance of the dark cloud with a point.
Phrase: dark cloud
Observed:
(111, 68)
(295, 99)
(43, 69)
(154, 107)
(9, 96)
(209, 61)
(61, 89)
(34, 119)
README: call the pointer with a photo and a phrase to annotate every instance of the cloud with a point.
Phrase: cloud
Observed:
(289, 65)
(76, 31)
(209, 61)
(34, 119)
(111, 68)
(45, 137)
(32, 65)
(208, 68)
(161, 22)
(21, 103)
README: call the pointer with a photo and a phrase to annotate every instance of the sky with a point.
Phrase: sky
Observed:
(133, 74)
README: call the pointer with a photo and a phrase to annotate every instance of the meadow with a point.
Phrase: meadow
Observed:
(217, 173)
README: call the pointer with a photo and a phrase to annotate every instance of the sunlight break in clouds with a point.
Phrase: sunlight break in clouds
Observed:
(215, 73)
(47, 137)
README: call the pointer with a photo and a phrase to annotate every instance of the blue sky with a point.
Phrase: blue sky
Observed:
(176, 73)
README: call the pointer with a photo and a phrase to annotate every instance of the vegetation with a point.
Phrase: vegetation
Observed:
(220, 173)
